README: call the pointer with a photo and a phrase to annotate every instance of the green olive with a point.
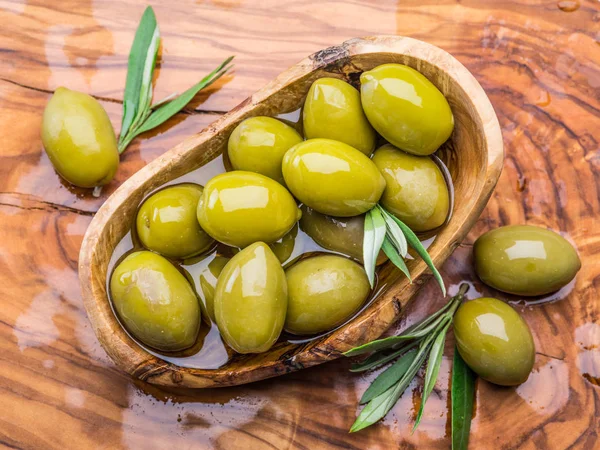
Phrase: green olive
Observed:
(258, 145)
(406, 108)
(525, 260)
(324, 291)
(155, 302)
(238, 208)
(332, 110)
(79, 139)
(332, 177)
(416, 191)
(166, 222)
(494, 341)
(251, 299)
(208, 282)
(339, 234)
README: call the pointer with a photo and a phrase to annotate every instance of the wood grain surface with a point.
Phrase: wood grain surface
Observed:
(538, 61)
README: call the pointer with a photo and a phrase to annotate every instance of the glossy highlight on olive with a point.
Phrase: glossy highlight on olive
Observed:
(525, 260)
(332, 110)
(251, 300)
(332, 177)
(166, 222)
(406, 108)
(239, 208)
(155, 302)
(79, 139)
(494, 341)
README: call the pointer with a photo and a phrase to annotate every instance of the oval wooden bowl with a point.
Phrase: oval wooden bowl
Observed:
(474, 156)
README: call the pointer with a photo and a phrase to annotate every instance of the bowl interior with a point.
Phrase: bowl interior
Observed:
(465, 154)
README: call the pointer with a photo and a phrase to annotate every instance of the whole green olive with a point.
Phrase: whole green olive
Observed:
(416, 191)
(525, 260)
(339, 234)
(258, 145)
(155, 302)
(406, 108)
(208, 282)
(332, 177)
(166, 222)
(494, 341)
(324, 291)
(251, 300)
(332, 110)
(238, 208)
(79, 139)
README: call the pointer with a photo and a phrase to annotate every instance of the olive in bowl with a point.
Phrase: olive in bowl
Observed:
(324, 291)
(251, 299)
(258, 145)
(332, 110)
(332, 177)
(406, 108)
(494, 341)
(155, 302)
(166, 222)
(239, 208)
(416, 191)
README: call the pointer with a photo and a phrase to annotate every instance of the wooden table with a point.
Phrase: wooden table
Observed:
(538, 61)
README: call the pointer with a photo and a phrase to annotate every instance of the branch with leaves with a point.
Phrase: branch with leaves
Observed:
(420, 343)
(139, 115)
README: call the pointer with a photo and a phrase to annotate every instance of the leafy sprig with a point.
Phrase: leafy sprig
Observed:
(384, 231)
(463, 393)
(423, 341)
(139, 115)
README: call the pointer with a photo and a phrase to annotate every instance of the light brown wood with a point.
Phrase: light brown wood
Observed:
(474, 156)
(540, 67)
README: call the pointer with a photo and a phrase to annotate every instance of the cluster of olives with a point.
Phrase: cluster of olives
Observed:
(325, 181)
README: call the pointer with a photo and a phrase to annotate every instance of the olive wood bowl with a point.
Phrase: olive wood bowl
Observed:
(474, 156)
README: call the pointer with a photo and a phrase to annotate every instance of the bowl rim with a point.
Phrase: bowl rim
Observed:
(136, 361)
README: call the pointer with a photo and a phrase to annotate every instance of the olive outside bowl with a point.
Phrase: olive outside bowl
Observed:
(474, 155)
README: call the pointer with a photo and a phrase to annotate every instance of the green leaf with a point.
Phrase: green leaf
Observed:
(168, 110)
(378, 407)
(415, 243)
(433, 369)
(140, 68)
(380, 358)
(395, 233)
(395, 257)
(389, 342)
(389, 377)
(463, 393)
(374, 234)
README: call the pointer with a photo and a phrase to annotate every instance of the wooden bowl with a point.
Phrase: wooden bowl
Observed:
(474, 156)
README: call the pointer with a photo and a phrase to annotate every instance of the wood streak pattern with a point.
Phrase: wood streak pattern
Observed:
(539, 65)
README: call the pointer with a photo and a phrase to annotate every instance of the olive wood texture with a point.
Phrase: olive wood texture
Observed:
(474, 156)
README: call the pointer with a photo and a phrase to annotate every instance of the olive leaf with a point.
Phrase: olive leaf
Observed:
(395, 233)
(433, 368)
(379, 406)
(429, 335)
(389, 377)
(463, 393)
(140, 67)
(374, 234)
(415, 243)
(394, 254)
(138, 114)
